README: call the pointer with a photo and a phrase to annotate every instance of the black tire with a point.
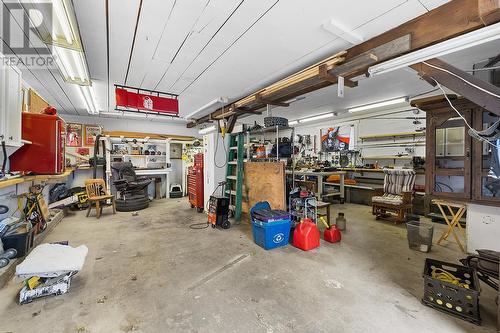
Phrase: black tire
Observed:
(132, 207)
(199, 210)
(127, 202)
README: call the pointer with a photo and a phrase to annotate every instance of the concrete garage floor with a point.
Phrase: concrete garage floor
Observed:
(151, 273)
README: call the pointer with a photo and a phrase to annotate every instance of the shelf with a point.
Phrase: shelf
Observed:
(391, 135)
(269, 130)
(41, 178)
(388, 157)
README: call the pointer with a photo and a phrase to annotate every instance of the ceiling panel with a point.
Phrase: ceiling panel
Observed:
(432, 4)
(281, 44)
(91, 15)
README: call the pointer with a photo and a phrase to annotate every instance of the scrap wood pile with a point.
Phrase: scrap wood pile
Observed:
(48, 270)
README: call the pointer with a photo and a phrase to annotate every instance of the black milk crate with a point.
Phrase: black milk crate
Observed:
(449, 298)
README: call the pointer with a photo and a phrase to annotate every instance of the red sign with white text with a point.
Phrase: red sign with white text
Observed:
(144, 102)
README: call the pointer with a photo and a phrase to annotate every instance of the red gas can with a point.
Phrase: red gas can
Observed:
(306, 235)
(333, 234)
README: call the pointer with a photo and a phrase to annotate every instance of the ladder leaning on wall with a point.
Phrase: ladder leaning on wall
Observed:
(234, 173)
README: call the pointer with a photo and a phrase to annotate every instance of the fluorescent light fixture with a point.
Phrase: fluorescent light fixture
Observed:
(471, 39)
(293, 122)
(88, 96)
(220, 100)
(322, 116)
(342, 31)
(392, 102)
(72, 65)
(207, 130)
(296, 99)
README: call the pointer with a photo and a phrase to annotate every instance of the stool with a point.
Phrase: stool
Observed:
(322, 205)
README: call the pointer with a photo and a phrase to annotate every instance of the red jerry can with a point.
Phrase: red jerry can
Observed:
(332, 234)
(306, 235)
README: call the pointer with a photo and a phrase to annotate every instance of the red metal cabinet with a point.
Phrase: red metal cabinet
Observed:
(45, 152)
(195, 183)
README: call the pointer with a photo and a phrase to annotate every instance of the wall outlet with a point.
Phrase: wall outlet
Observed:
(487, 219)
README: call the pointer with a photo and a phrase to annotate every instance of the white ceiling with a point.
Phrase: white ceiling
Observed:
(204, 49)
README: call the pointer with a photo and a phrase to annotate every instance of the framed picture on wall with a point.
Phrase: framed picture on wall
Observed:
(91, 132)
(74, 136)
(336, 138)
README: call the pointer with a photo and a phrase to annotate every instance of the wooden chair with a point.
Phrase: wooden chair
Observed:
(97, 195)
(396, 197)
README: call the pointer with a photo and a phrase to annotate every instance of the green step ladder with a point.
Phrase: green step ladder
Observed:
(234, 173)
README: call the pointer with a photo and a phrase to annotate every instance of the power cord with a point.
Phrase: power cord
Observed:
(471, 130)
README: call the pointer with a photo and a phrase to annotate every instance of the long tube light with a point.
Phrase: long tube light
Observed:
(220, 100)
(207, 130)
(322, 116)
(471, 39)
(61, 14)
(392, 102)
(88, 97)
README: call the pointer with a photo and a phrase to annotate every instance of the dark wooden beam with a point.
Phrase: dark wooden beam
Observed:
(323, 74)
(455, 79)
(488, 11)
(231, 122)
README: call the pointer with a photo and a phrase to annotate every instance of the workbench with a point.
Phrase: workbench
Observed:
(320, 175)
(39, 178)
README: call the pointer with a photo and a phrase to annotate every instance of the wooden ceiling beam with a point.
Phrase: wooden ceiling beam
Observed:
(462, 16)
(455, 79)
(323, 74)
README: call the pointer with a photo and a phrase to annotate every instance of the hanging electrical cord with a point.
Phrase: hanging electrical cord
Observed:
(217, 145)
(472, 131)
(483, 69)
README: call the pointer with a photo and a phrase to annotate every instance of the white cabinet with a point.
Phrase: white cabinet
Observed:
(10, 105)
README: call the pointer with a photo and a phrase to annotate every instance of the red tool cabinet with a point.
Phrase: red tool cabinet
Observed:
(195, 183)
(45, 152)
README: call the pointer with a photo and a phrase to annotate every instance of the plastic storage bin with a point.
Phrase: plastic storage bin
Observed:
(448, 297)
(420, 235)
(270, 235)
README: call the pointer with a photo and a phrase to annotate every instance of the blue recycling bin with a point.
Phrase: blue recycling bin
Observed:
(269, 233)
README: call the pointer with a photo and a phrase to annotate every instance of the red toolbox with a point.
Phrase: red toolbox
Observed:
(195, 184)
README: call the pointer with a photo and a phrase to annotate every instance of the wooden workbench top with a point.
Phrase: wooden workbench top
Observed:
(40, 178)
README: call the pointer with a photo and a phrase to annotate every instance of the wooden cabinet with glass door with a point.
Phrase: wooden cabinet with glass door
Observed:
(458, 165)
(487, 166)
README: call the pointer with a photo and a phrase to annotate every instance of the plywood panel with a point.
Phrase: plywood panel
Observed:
(36, 103)
(265, 182)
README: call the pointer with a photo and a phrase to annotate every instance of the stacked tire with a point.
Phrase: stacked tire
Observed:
(132, 203)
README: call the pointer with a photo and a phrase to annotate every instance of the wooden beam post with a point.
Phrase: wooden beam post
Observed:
(231, 122)
(489, 11)
(478, 91)
(323, 74)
